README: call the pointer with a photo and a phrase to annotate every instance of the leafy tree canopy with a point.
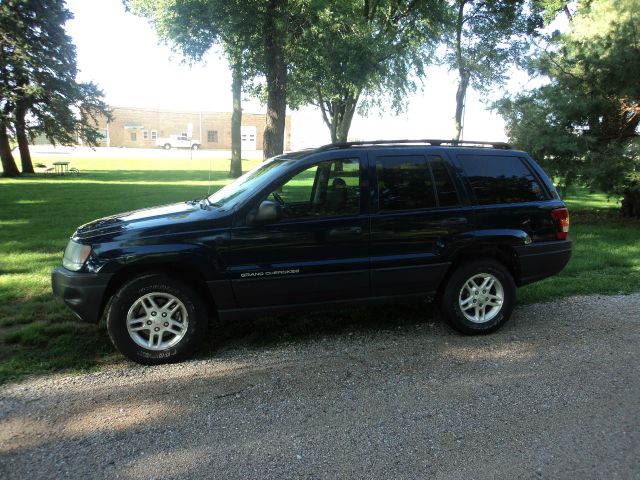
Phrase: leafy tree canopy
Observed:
(371, 50)
(584, 123)
(484, 39)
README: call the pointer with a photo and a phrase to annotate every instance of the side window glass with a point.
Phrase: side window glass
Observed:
(404, 183)
(329, 188)
(343, 187)
(501, 179)
(447, 194)
(298, 189)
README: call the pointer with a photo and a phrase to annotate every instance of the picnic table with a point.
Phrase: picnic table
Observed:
(61, 168)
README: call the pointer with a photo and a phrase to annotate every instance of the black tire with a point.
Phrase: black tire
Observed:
(193, 313)
(453, 296)
(167, 146)
(195, 146)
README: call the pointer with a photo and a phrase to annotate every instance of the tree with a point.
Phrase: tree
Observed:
(376, 50)
(193, 27)
(484, 38)
(253, 33)
(275, 27)
(9, 167)
(584, 123)
(38, 88)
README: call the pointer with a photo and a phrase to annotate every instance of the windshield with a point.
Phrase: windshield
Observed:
(242, 188)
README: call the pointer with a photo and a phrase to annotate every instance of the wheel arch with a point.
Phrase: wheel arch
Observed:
(187, 274)
(502, 253)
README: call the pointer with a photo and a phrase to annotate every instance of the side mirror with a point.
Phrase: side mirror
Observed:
(267, 212)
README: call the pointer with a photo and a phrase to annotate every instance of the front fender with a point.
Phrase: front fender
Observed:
(189, 256)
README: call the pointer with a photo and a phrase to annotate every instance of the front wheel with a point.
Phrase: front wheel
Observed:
(167, 146)
(479, 297)
(155, 319)
(195, 147)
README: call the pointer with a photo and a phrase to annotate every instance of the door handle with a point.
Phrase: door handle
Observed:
(346, 231)
(454, 221)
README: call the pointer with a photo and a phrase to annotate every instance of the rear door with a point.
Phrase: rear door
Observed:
(417, 211)
(319, 250)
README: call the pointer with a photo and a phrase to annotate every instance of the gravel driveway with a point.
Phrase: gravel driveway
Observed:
(554, 394)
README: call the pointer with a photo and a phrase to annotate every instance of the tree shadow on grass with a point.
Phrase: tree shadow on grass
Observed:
(43, 337)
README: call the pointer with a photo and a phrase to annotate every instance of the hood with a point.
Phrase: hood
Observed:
(156, 220)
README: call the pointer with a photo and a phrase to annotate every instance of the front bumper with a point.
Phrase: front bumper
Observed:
(84, 293)
(541, 260)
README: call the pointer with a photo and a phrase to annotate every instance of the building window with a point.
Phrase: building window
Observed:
(212, 136)
(133, 136)
(154, 134)
(145, 135)
(183, 134)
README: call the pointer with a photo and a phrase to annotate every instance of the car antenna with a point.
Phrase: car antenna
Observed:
(209, 182)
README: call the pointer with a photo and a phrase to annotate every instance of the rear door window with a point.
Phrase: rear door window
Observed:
(447, 194)
(501, 179)
(404, 183)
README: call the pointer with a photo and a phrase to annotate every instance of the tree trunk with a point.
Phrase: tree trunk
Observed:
(276, 75)
(344, 123)
(9, 167)
(336, 113)
(463, 83)
(338, 116)
(235, 168)
(23, 141)
(631, 201)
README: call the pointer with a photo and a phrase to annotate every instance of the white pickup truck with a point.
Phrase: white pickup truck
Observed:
(177, 141)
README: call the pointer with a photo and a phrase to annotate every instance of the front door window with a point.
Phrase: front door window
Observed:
(330, 188)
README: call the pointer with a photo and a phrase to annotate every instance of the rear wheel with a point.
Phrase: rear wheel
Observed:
(479, 297)
(195, 146)
(155, 319)
(167, 146)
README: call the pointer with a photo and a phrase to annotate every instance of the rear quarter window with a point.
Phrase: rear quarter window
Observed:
(501, 179)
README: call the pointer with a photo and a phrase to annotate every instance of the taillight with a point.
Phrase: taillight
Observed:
(561, 220)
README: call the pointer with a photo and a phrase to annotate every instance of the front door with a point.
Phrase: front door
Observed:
(319, 250)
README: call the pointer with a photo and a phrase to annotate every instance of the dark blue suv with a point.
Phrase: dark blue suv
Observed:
(345, 224)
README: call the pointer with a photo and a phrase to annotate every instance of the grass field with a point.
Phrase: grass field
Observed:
(39, 335)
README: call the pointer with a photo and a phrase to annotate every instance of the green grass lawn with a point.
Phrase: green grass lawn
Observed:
(39, 335)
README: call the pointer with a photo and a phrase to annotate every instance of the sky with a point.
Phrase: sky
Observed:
(120, 52)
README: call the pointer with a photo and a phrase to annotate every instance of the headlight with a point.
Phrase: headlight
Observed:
(75, 255)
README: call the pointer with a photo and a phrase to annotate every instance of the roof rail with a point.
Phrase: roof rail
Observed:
(432, 142)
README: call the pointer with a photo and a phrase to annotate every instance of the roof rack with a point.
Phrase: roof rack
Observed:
(432, 142)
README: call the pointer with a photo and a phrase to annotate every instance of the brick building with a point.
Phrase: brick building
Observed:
(139, 127)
